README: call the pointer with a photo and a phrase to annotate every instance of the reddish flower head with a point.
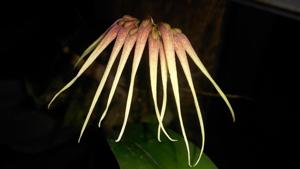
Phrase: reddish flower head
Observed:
(165, 45)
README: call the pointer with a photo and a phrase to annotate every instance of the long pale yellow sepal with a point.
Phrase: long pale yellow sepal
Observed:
(142, 36)
(190, 50)
(109, 37)
(168, 41)
(164, 79)
(129, 43)
(116, 49)
(186, 69)
(95, 43)
(153, 44)
(89, 49)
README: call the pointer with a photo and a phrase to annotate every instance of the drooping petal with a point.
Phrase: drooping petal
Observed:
(90, 48)
(94, 44)
(164, 78)
(109, 37)
(129, 43)
(168, 40)
(116, 49)
(142, 36)
(153, 44)
(190, 50)
(186, 69)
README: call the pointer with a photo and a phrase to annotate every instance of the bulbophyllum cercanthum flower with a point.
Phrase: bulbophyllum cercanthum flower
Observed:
(165, 45)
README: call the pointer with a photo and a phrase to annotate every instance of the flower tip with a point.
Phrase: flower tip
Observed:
(233, 119)
(48, 107)
(50, 103)
(118, 140)
(80, 136)
(152, 21)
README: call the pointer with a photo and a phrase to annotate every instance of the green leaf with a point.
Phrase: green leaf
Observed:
(139, 149)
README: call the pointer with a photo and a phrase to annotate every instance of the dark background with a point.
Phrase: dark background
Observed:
(257, 59)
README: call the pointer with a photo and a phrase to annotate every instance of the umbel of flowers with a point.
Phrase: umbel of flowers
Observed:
(165, 44)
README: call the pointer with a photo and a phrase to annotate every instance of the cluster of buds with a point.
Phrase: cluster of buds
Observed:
(165, 45)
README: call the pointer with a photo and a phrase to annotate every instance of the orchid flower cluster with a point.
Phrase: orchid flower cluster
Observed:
(165, 44)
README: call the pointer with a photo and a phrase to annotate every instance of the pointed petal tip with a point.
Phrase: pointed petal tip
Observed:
(100, 123)
(152, 21)
(233, 117)
(80, 136)
(48, 107)
(232, 112)
(52, 100)
(118, 139)
(189, 49)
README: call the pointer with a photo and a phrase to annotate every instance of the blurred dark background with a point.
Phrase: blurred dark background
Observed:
(251, 47)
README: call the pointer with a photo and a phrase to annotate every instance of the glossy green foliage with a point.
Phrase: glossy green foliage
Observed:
(139, 149)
